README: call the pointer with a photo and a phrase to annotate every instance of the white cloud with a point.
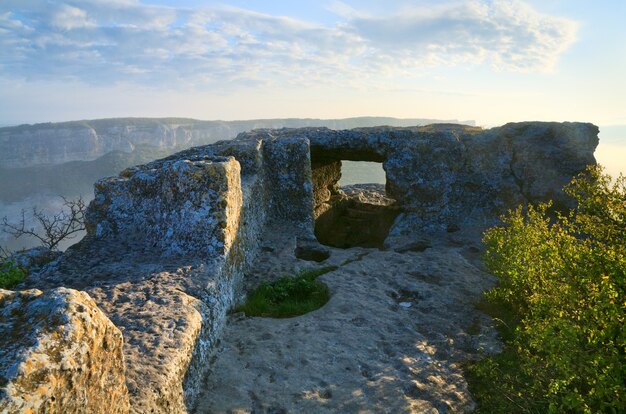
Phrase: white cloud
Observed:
(68, 18)
(507, 33)
(342, 9)
(104, 41)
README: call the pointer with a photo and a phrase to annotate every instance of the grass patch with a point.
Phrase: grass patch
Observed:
(10, 275)
(288, 296)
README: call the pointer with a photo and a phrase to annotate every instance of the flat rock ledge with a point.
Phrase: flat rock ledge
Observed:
(172, 245)
(391, 339)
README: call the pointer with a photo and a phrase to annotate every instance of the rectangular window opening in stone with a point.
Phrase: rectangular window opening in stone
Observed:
(351, 205)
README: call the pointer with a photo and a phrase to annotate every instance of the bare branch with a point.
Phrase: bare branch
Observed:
(54, 228)
(4, 254)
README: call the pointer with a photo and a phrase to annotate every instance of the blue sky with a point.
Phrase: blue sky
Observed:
(489, 60)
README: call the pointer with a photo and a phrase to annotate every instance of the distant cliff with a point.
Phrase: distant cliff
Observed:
(56, 143)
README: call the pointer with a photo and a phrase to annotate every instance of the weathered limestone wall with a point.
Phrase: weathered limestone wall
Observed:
(226, 287)
(59, 354)
(325, 175)
(444, 175)
(179, 208)
(165, 254)
(182, 208)
(288, 171)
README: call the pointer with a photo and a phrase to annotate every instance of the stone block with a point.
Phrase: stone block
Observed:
(182, 208)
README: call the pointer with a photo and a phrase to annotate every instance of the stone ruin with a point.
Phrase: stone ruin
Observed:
(127, 319)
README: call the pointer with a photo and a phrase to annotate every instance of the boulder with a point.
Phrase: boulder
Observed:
(59, 354)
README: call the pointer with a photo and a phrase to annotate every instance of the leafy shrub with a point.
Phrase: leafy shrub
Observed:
(564, 278)
(288, 296)
(10, 275)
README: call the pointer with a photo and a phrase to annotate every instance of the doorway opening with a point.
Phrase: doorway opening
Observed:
(352, 207)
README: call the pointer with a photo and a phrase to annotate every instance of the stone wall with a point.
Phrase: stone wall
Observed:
(325, 175)
(443, 175)
(289, 179)
(182, 208)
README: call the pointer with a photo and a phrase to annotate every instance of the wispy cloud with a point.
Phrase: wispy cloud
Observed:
(508, 34)
(106, 41)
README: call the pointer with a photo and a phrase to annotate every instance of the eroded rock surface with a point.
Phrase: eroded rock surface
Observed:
(445, 174)
(390, 340)
(162, 259)
(59, 353)
(182, 208)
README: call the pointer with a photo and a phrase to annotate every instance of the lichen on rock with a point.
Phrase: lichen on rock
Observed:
(182, 208)
(59, 353)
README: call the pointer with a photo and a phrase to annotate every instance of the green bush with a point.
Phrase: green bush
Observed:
(564, 278)
(10, 275)
(288, 296)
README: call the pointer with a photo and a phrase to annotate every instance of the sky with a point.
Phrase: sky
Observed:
(492, 61)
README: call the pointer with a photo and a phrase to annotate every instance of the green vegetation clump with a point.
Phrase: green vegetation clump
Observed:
(10, 275)
(288, 296)
(562, 295)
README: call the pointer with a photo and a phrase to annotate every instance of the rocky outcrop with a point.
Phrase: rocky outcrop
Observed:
(169, 242)
(59, 353)
(166, 246)
(442, 175)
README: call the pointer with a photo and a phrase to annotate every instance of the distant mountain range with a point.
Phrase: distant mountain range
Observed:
(71, 178)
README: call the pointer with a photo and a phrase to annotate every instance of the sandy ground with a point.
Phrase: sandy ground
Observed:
(390, 340)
